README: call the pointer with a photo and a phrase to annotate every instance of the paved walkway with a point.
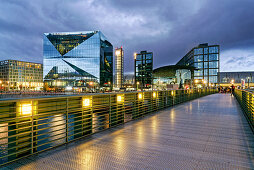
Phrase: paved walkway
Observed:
(207, 133)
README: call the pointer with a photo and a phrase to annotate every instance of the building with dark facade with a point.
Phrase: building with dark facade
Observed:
(77, 60)
(173, 77)
(20, 76)
(237, 78)
(205, 58)
(143, 69)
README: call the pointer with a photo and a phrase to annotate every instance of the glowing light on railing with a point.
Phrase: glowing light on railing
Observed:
(26, 109)
(119, 98)
(154, 95)
(172, 93)
(140, 96)
(86, 102)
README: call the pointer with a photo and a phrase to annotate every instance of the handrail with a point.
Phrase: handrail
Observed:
(246, 100)
(33, 125)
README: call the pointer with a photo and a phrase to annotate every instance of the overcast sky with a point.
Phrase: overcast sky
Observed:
(168, 28)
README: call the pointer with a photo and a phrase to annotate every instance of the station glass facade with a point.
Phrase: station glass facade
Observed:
(77, 59)
(177, 75)
(205, 58)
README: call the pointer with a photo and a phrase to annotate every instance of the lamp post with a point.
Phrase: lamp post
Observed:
(204, 82)
(137, 85)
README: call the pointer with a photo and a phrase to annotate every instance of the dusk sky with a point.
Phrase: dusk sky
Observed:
(168, 28)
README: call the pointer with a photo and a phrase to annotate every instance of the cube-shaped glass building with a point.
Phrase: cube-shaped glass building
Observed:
(77, 60)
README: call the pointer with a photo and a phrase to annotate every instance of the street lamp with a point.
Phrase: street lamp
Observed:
(137, 85)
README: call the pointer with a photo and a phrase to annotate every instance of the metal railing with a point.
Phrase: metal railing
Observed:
(246, 101)
(29, 126)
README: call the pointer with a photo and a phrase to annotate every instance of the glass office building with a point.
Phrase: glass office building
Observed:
(78, 60)
(205, 58)
(144, 69)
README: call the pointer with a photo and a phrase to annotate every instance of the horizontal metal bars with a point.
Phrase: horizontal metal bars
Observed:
(29, 126)
(246, 100)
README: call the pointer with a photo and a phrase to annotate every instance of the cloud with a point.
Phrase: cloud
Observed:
(237, 60)
(167, 28)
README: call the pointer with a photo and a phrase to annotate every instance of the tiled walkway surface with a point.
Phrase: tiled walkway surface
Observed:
(207, 133)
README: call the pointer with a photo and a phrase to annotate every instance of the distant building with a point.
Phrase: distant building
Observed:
(206, 59)
(20, 75)
(227, 78)
(77, 60)
(144, 69)
(173, 77)
(129, 81)
(119, 67)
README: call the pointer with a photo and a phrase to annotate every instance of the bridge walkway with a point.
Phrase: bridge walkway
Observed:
(207, 133)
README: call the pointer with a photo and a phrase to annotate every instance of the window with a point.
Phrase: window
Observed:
(149, 56)
(139, 57)
(198, 73)
(205, 58)
(205, 50)
(212, 79)
(206, 72)
(213, 49)
(198, 51)
(213, 57)
(198, 65)
(213, 64)
(198, 58)
(205, 64)
(213, 72)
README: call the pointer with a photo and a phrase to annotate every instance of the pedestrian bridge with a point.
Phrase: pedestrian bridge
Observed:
(210, 132)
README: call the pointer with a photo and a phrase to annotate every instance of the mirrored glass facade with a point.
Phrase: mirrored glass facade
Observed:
(77, 59)
(205, 58)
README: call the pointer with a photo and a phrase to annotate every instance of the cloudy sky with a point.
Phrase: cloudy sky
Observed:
(169, 28)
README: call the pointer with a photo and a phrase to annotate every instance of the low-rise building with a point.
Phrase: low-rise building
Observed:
(173, 77)
(244, 78)
(20, 76)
